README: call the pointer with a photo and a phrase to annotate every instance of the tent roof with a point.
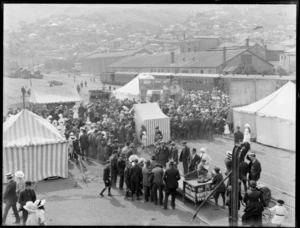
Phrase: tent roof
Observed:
(133, 88)
(281, 104)
(56, 94)
(149, 111)
(27, 128)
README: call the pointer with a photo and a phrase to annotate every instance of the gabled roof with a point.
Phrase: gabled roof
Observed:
(112, 54)
(27, 128)
(191, 59)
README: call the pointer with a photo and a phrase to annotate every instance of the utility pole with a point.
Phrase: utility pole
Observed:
(23, 93)
(235, 187)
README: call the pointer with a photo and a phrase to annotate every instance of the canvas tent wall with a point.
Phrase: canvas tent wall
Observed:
(132, 89)
(276, 121)
(56, 94)
(150, 115)
(33, 145)
(247, 114)
(272, 119)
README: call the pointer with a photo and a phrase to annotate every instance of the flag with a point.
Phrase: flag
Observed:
(258, 27)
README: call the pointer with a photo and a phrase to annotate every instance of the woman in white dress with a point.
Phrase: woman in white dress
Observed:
(62, 127)
(40, 212)
(247, 133)
(226, 130)
(75, 112)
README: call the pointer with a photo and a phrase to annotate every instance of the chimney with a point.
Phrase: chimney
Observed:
(172, 57)
(224, 55)
(247, 42)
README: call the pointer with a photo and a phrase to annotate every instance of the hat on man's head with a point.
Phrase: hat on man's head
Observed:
(156, 127)
(194, 150)
(280, 201)
(147, 162)
(153, 157)
(131, 145)
(27, 183)
(9, 175)
(184, 142)
(19, 174)
(238, 127)
(115, 140)
(251, 153)
(172, 143)
(171, 163)
(217, 169)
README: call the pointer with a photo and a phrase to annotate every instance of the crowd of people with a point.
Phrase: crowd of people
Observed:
(105, 130)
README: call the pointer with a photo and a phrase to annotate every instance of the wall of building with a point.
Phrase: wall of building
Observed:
(244, 92)
(198, 45)
(274, 55)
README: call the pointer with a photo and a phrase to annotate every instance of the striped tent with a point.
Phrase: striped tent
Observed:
(33, 145)
(150, 115)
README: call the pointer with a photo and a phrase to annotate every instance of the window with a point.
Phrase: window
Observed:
(184, 71)
(193, 71)
(201, 71)
(246, 59)
(209, 71)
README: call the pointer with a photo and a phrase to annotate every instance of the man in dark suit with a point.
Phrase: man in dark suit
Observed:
(26, 195)
(171, 178)
(238, 136)
(106, 179)
(163, 156)
(184, 157)
(194, 160)
(136, 177)
(158, 174)
(10, 199)
(174, 154)
(254, 167)
(121, 164)
(217, 179)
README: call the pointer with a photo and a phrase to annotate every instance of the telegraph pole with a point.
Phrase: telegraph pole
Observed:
(235, 187)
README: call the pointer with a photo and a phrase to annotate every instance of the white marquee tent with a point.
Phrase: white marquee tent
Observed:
(33, 145)
(132, 89)
(150, 115)
(56, 94)
(272, 119)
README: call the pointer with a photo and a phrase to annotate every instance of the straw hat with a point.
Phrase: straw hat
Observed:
(30, 206)
(203, 150)
(9, 175)
(20, 174)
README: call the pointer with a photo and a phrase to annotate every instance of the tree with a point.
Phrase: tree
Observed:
(281, 71)
(245, 69)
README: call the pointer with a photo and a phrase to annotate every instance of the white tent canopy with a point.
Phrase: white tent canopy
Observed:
(272, 119)
(33, 145)
(56, 94)
(150, 115)
(132, 89)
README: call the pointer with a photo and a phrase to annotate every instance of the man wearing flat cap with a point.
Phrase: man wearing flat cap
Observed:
(171, 178)
(10, 199)
(26, 195)
(184, 157)
(254, 166)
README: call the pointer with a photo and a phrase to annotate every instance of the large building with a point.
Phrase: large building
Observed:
(199, 43)
(212, 62)
(98, 62)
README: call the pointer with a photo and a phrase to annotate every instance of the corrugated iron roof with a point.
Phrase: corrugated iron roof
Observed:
(191, 59)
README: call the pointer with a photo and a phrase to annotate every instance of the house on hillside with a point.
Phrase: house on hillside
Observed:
(211, 62)
(97, 63)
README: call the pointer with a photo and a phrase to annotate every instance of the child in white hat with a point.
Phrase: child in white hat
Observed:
(32, 219)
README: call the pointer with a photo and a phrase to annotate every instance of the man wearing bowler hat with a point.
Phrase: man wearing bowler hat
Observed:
(171, 178)
(10, 198)
(26, 195)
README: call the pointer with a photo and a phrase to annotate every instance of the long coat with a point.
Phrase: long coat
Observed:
(136, 175)
(174, 155)
(163, 156)
(184, 158)
(171, 177)
(146, 176)
(216, 180)
(254, 170)
(10, 195)
(26, 195)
